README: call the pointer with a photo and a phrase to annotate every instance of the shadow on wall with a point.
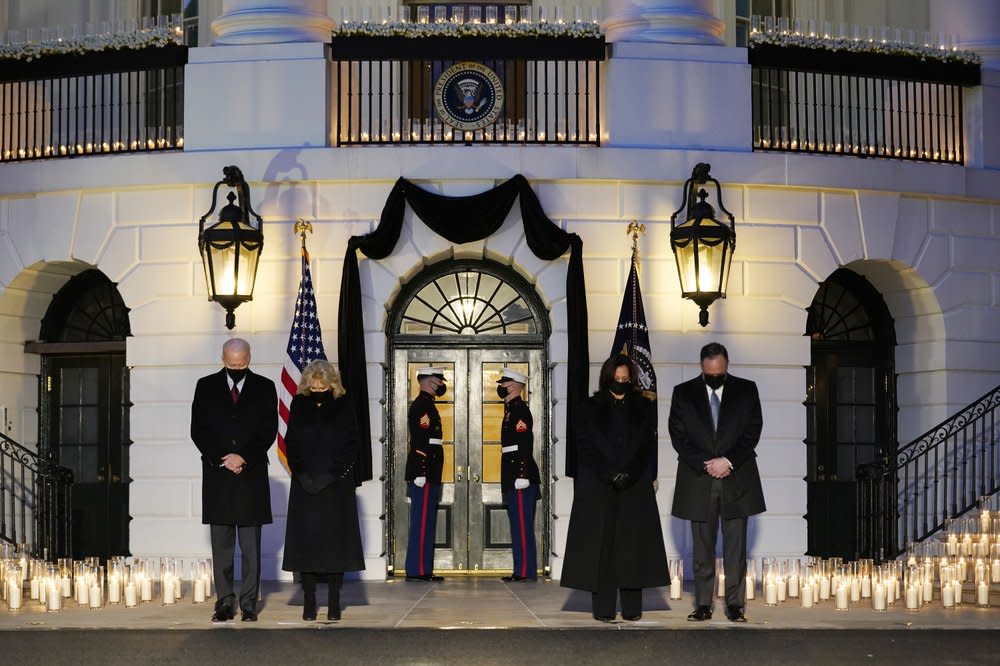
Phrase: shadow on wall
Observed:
(285, 195)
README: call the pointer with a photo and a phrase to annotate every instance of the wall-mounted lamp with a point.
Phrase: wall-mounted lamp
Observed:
(230, 249)
(703, 246)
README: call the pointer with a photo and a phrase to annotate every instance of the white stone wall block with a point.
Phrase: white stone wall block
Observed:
(121, 254)
(602, 312)
(784, 281)
(778, 535)
(558, 318)
(354, 200)
(959, 289)
(964, 218)
(552, 279)
(163, 205)
(148, 282)
(815, 254)
(159, 460)
(782, 420)
(979, 254)
(781, 457)
(879, 215)
(379, 281)
(658, 278)
(10, 261)
(528, 265)
(747, 315)
(920, 356)
(842, 227)
(151, 536)
(272, 312)
(22, 228)
(665, 312)
(605, 275)
(169, 243)
(471, 250)
(149, 497)
(580, 199)
(934, 261)
(329, 239)
(404, 262)
(605, 238)
(786, 383)
(785, 492)
(502, 244)
(173, 315)
(93, 225)
(326, 274)
(911, 229)
(157, 421)
(55, 223)
(755, 241)
(777, 205)
(652, 201)
(286, 200)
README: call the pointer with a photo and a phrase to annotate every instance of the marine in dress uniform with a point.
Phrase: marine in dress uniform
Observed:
(519, 479)
(423, 474)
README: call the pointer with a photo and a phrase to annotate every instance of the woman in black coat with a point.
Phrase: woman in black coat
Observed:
(615, 542)
(322, 536)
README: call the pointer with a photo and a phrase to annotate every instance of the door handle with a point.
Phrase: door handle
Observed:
(475, 477)
(115, 478)
(458, 474)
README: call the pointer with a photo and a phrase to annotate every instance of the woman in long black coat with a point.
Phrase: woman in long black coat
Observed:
(615, 541)
(322, 536)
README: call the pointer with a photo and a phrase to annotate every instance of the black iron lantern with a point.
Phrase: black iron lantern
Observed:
(230, 249)
(703, 246)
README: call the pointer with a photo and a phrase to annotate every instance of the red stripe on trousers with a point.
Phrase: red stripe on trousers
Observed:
(423, 526)
(524, 540)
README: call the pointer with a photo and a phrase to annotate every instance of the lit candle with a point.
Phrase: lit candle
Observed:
(983, 594)
(815, 588)
(14, 596)
(866, 587)
(855, 589)
(146, 589)
(947, 595)
(95, 595)
(912, 598)
(130, 595)
(879, 597)
(199, 591)
(928, 591)
(751, 587)
(951, 548)
(890, 591)
(53, 595)
(167, 591)
(963, 569)
(824, 587)
(807, 595)
(82, 592)
(842, 592)
(675, 588)
(722, 584)
(67, 588)
(771, 592)
(995, 571)
(35, 592)
(793, 586)
(957, 591)
(114, 590)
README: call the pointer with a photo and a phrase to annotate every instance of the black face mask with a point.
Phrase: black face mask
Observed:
(320, 396)
(441, 390)
(620, 388)
(502, 391)
(714, 381)
(236, 375)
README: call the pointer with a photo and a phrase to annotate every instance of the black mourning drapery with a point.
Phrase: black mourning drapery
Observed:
(450, 217)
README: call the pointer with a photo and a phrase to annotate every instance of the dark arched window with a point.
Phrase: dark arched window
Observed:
(87, 309)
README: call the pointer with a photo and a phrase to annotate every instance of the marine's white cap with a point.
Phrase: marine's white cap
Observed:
(508, 375)
(429, 372)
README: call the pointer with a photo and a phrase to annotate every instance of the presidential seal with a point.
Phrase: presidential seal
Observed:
(468, 96)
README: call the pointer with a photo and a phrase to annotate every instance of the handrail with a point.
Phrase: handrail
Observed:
(935, 478)
(35, 501)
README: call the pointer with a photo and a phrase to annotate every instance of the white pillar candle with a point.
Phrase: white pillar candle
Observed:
(167, 591)
(855, 589)
(793, 586)
(890, 592)
(928, 591)
(947, 595)
(199, 591)
(722, 585)
(178, 588)
(14, 596)
(957, 591)
(807, 595)
(675, 588)
(983, 594)
(842, 594)
(53, 596)
(67, 588)
(963, 569)
(35, 592)
(750, 586)
(130, 595)
(824, 587)
(995, 571)
(95, 595)
(912, 598)
(879, 597)
(114, 590)
(782, 589)
(43, 591)
(146, 589)
(208, 585)
(82, 592)
(771, 592)
(898, 584)
(866, 587)
(815, 588)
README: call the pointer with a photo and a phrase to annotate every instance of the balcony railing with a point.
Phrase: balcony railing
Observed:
(124, 101)
(386, 88)
(867, 105)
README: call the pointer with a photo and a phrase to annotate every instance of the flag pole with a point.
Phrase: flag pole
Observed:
(634, 229)
(302, 227)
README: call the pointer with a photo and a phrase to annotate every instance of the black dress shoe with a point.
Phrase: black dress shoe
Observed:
(333, 613)
(426, 579)
(632, 618)
(515, 579)
(249, 616)
(735, 614)
(700, 614)
(601, 618)
(223, 614)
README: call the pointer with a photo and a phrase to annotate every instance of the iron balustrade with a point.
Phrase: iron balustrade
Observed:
(935, 478)
(384, 91)
(36, 499)
(865, 105)
(97, 103)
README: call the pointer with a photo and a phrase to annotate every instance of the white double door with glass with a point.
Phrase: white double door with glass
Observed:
(473, 531)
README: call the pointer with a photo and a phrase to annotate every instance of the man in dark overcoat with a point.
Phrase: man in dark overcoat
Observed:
(424, 465)
(519, 478)
(234, 421)
(715, 423)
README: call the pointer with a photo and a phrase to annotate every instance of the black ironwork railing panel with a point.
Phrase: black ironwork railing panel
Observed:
(35, 501)
(935, 478)
(387, 95)
(856, 104)
(98, 103)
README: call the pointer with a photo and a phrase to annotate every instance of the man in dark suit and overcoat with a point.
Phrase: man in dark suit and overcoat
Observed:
(715, 423)
(234, 420)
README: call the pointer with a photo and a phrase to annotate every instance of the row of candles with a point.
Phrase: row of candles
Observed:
(435, 130)
(507, 14)
(869, 33)
(92, 148)
(88, 583)
(77, 32)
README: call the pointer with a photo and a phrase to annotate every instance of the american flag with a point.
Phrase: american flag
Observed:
(305, 344)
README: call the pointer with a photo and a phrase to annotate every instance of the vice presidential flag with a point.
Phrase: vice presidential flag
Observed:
(632, 336)
(305, 344)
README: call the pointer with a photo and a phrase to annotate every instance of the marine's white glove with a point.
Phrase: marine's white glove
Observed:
(521, 484)
(420, 481)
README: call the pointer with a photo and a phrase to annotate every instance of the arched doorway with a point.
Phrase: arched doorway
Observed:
(472, 318)
(83, 407)
(850, 402)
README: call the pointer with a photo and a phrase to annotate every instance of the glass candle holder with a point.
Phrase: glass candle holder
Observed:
(676, 570)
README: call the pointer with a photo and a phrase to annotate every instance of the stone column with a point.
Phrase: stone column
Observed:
(672, 21)
(272, 22)
(976, 23)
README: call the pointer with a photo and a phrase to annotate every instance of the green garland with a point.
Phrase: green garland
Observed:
(875, 47)
(448, 29)
(138, 39)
